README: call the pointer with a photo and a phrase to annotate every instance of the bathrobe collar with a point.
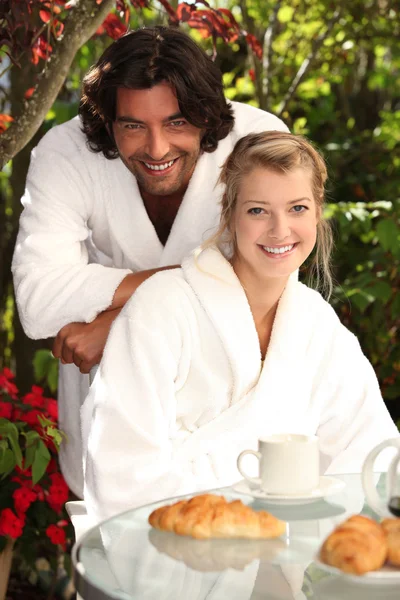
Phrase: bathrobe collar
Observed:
(222, 296)
(130, 223)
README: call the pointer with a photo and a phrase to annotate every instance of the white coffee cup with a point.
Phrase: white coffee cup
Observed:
(379, 505)
(288, 464)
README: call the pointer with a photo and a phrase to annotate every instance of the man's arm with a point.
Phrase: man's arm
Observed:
(83, 343)
(54, 283)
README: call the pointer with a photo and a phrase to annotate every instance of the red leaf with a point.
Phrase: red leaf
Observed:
(254, 45)
(41, 49)
(138, 4)
(170, 11)
(57, 28)
(114, 27)
(184, 11)
(44, 15)
(231, 19)
(6, 119)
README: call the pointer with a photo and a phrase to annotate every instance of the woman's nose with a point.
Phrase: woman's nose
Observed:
(279, 228)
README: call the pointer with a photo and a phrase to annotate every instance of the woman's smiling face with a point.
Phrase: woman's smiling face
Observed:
(274, 223)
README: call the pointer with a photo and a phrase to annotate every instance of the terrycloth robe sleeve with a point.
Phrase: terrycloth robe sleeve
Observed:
(354, 418)
(129, 415)
(54, 284)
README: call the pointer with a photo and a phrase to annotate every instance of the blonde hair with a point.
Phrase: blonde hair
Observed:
(281, 152)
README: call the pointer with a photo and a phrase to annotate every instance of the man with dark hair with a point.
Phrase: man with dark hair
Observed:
(124, 190)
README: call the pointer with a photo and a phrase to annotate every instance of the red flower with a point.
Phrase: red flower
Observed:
(8, 374)
(58, 492)
(52, 409)
(23, 498)
(30, 417)
(56, 534)
(8, 386)
(10, 524)
(35, 397)
(252, 74)
(5, 410)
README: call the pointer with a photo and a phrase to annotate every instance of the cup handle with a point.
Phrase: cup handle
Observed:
(254, 480)
(367, 477)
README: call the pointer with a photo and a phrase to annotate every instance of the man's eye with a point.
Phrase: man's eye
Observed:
(256, 211)
(177, 123)
(299, 208)
(131, 126)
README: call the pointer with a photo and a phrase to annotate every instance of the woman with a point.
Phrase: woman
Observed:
(206, 359)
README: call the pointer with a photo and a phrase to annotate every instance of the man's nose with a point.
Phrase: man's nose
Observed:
(279, 228)
(157, 145)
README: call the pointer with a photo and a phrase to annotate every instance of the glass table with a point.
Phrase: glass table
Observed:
(124, 558)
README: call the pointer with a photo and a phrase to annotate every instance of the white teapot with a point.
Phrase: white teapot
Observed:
(390, 505)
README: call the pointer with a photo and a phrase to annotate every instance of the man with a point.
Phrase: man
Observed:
(128, 188)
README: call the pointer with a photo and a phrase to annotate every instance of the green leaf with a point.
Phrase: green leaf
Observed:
(40, 462)
(14, 443)
(30, 453)
(388, 235)
(395, 308)
(55, 434)
(41, 363)
(31, 436)
(381, 290)
(7, 463)
(52, 376)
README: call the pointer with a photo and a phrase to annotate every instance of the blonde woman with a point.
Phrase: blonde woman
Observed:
(205, 359)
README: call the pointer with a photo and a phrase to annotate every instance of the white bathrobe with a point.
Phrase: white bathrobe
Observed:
(84, 228)
(180, 390)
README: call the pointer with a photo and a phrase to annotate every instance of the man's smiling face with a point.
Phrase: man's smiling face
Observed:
(155, 142)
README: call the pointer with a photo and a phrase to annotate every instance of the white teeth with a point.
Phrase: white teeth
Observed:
(159, 167)
(280, 250)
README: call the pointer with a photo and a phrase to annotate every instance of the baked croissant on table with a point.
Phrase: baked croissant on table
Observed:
(357, 546)
(210, 516)
(392, 529)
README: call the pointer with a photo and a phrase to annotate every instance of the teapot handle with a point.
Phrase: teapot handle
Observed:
(367, 477)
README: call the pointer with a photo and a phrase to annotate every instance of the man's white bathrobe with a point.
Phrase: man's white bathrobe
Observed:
(180, 390)
(84, 228)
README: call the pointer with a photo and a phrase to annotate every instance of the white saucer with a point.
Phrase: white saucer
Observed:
(327, 487)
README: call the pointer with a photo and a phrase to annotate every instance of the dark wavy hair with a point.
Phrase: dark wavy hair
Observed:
(142, 59)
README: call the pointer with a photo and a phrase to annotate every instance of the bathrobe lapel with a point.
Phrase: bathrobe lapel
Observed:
(136, 243)
(222, 297)
(197, 217)
(261, 401)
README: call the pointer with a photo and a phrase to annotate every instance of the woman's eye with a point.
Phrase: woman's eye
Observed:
(256, 211)
(299, 208)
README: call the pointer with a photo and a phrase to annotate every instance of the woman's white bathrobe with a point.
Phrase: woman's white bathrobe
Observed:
(180, 390)
(84, 228)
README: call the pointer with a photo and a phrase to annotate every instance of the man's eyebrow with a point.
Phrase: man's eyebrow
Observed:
(131, 119)
(305, 199)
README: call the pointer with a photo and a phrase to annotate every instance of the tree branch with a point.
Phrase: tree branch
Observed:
(80, 24)
(250, 27)
(267, 54)
(306, 64)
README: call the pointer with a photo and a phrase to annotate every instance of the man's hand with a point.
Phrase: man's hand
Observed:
(82, 344)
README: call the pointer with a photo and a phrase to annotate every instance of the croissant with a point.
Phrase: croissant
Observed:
(392, 529)
(357, 546)
(210, 516)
